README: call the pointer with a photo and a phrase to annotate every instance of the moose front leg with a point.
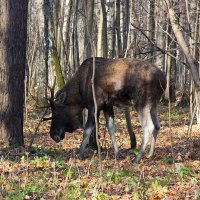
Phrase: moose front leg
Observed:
(130, 129)
(92, 139)
(89, 127)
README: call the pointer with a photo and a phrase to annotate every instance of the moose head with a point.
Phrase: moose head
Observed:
(63, 117)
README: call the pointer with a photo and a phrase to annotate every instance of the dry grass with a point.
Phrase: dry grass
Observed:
(48, 171)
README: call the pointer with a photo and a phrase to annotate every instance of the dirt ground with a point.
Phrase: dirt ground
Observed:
(50, 171)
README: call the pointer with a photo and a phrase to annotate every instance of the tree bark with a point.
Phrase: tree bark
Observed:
(193, 18)
(151, 28)
(104, 30)
(67, 25)
(102, 44)
(118, 32)
(160, 36)
(46, 9)
(126, 21)
(13, 32)
(114, 34)
(100, 33)
(182, 43)
(75, 48)
(89, 13)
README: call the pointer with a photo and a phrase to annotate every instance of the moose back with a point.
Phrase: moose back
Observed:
(118, 82)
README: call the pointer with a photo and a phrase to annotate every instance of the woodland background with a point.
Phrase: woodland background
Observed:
(59, 34)
(59, 38)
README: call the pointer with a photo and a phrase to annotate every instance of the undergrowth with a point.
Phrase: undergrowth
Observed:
(48, 171)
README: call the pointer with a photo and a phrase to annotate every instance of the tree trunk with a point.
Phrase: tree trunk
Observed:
(100, 33)
(56, 63)
(89, 13)
(104, 30)
(102, 46)
(170, 65)
(75, 48)
(118, 32)
(13, 31)
(67, 39)
(126, 21)
(179, 36)
(46, 8)
(160, 36)
(193, 21)
(114, 34)
(76, 36)
(151, 28)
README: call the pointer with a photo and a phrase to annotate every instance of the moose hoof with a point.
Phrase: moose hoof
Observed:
(139, 157)
(150, 154)
(81, 156)
(118, 155)
(92, 146)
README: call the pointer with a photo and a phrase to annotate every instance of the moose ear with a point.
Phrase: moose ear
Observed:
(61, 97)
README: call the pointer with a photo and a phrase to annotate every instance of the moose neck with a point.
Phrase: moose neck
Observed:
(72, 95)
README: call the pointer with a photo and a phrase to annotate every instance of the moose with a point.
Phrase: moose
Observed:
(118, 82)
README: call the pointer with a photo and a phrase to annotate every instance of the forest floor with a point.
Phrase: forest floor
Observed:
(49, 171)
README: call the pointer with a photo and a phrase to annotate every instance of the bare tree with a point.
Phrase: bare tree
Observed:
(75, 46)
(117, 26)
(46, 8)
(184, 46)
(102, 46)
(126, 23)
(127, 28)
(13, 31)
(89, 18)
(151, 27)
(160, 17)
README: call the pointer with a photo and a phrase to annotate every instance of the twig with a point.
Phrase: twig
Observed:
(91, 41)
(170, 132)
(157, 47)
(140, 178)
(37, 127)
(89, 166)
(143, 33)
(191, 122)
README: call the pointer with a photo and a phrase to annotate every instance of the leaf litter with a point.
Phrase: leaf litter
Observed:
(50, 171)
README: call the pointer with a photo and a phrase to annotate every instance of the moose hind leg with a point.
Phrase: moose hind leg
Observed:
(147, 128)
(156, 123)
(109, 116)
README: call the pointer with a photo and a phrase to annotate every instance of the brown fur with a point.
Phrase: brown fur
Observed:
(124, 81)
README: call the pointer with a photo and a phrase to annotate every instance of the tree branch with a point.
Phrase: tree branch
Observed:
(157, 47)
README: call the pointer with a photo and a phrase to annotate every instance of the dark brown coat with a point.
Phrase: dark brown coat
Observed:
(120, 82)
